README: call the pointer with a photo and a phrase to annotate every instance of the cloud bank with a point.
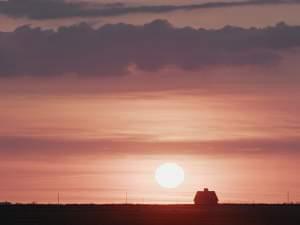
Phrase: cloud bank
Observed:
(55, 9)
(112, 49)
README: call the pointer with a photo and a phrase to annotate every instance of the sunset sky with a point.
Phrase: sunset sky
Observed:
(96, 94)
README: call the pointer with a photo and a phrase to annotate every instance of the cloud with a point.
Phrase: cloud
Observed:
(52, 9)
(43, 147)
(112, 49)
(55, 9)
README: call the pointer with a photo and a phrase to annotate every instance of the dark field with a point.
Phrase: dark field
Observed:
(149, 215)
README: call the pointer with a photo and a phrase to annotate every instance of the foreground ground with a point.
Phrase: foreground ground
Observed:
(149, 215)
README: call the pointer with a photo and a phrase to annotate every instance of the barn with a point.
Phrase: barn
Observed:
(206, 197)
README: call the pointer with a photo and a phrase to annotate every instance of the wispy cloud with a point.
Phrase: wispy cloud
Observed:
(55, 9)
(46, 148)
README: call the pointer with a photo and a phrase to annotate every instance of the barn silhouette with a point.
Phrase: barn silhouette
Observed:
(206, 197)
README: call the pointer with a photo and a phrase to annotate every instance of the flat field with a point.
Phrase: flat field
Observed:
(224, 214)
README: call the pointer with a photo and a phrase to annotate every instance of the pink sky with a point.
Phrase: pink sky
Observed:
(94, 147)
(94, 126)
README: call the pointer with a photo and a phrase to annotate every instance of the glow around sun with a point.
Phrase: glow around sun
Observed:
(169, 175)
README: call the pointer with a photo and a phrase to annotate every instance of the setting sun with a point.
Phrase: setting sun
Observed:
(169, 175)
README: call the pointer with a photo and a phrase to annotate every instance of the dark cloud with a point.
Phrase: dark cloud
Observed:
(54, 9)
(111, 49)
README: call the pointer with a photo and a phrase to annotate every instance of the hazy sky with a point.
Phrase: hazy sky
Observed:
(91, 107)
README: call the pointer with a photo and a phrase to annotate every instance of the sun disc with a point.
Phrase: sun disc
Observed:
(169, 175)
